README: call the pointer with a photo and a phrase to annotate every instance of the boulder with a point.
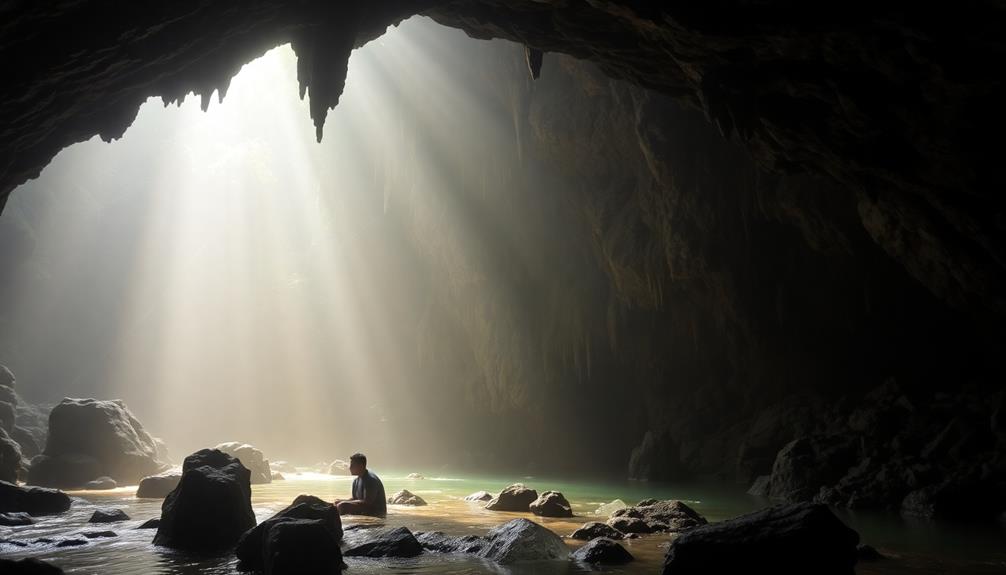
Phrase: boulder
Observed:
(606, 509)
(440, 542)
(158, 486)
(153, 523)
(791, 539)
(211, 507)
(15, 519)
(108, 516)
(89, 438)
(382, 542)
(250, 457)
(99, 534)
(522, 540)
(406, 497)
(602, 551)
(300, 546)
(514, 497)
(32, 500)
(807, 464)
(252, 549)
(28, 566)
(670, 515)
(101, 484)
(551, 504)
(594, 529)
(629, 525)
(645, 503)
(760, 487)
(10, 458)
(479, 496)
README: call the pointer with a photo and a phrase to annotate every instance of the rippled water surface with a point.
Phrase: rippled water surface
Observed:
(917, 547)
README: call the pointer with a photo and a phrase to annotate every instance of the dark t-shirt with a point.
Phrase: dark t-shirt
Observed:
(368, 488)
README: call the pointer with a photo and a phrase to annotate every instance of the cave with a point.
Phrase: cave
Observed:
(743, 263)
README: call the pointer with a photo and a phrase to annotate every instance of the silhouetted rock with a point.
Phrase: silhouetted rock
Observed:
(301, 546)
(602, 551)
(15, 519)
(252, 547)
(551, 504)
(10, 458)
(32, 500)
(791, 539)
(594, 529)
(250, 457)
(211, 507)
(100, 484)
(89, 438)
(153, 523)
(522, 540)
(440, 542)
(28, 566)
(382, 542)
(479, 496)
(514, 497)
(670, 515)
(108, 516)
(158, 486)
(406, 497)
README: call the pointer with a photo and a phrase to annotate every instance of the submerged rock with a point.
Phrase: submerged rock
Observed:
(602, 551)
(158, 486)
(479, 496)
(89, 438)
(594, 530)
(382, 542)
(211, 507)
(99, 534)
(516, 497)
(101, 484)
(28, 567)
(522, 540)
(32, 500)
(670, 515)
(787, 540)
(252, 458)
(108, 516)
(15, 519)
(551, 504)
(406, 497)
(252, 549)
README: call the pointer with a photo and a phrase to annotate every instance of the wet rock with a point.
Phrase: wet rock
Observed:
(602, 551)
(595, 529)
(252, 549)
(74, 542)
(551, 504)
(15, 519)
(866, 552)
(153, 523)
(101, 484)
(669, 515)
(522, 540)
(788, 540)
(440, 542)
(32, 500)
(405, 497)
(382, 542)
(158, 486)
(211, 507)
(299, 546)
(252, 458)
(630, 525)
(10, 458)
(479, 496)
(99, 534)
(514, 497)
(806, 464)
(108, 516)
(89, 438)
(28, 567)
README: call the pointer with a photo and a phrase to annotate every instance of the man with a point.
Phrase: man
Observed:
(368, 491)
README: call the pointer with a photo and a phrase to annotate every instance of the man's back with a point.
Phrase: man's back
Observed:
(367, 487)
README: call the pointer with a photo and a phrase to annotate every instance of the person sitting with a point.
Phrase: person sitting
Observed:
(368, 491)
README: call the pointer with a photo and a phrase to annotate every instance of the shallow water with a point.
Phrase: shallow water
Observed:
(917, 547)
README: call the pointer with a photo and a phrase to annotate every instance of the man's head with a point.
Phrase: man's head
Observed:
(357, 463)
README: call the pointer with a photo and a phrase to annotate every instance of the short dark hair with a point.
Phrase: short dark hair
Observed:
(359, 457)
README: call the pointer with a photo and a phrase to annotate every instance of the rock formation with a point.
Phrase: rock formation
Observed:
(250, 457)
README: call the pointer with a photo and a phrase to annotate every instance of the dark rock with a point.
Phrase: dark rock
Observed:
(250, 457)
(152, 523)
(657, 458)
(99, 534)
(71, 542)
(382, 542)
(647, 502)
(251, 549)
(805, 465)
(440, 542)
(15, 519)
(788, 540)
(670, 515)
(10, 458)
(89, 438)
(211, 507)
(28, 566)
(630, 525)
(406, 497)
(522, 540)
(32, 500)
(602, 551)
(101, 483)
(594, 529)
(551, 504)
(108, 516)
(300, 546)
(955, 498)
(761, 485)
(479, 496)
(158, 486)
(866, 552)
(514, 497)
